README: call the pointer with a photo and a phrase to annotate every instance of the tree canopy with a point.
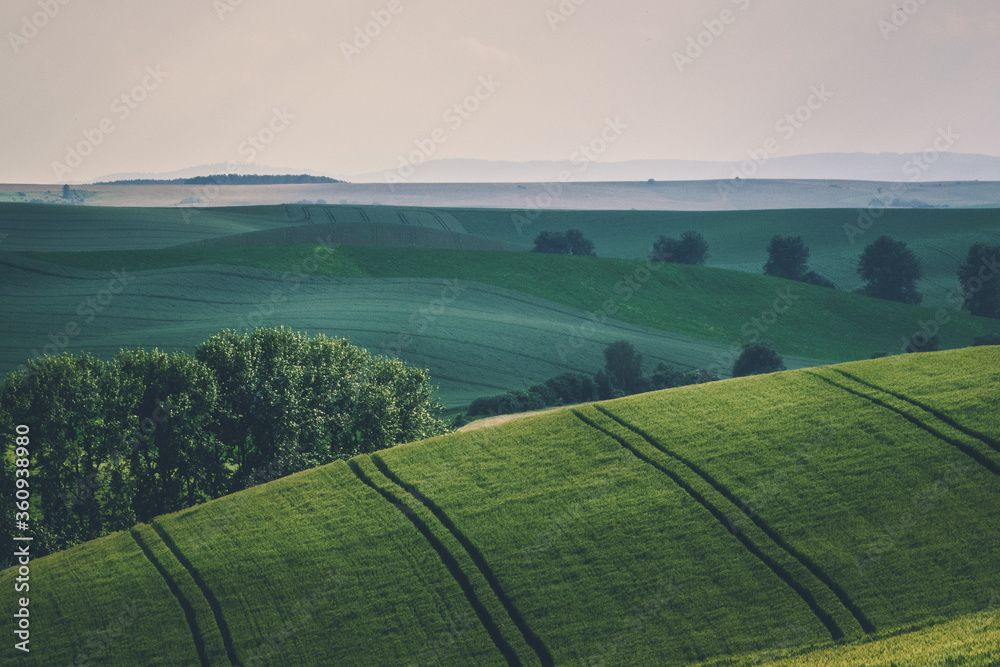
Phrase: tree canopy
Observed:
(890, 271)
(691, 248)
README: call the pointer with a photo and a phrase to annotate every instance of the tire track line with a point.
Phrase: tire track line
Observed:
(804, 593)
(972, 433)
(213, 602)
(866, 625)
(533, 640)
(450, 563)
(189, 614)
(971, 452)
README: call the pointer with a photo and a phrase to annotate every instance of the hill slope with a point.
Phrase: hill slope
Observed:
(669, 528)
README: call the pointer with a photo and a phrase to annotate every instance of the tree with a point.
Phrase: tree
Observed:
(66, 192)
(564, 243)
(757, 359)
(787, 257)
(890, 271)
(553, 243)
(690, 249)
(579, 244)
(623, 366)
(980, 282)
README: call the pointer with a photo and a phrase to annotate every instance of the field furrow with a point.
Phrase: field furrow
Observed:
(189, 612)
(821, 578)
(448, 558)
(776, 567)
(476, 556)
(974, 450)
(213, 603)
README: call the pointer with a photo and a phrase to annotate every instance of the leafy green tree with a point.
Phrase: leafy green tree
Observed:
(691, 248)
(62, 400)
(757, 359)
(890, 271)
(164, 419)
(787, 257)
(623, 366)
(580, 245)
(980, 280)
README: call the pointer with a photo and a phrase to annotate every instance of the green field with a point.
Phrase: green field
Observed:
(737, 239)
(826, 516)
(476, 339)
(699, 302)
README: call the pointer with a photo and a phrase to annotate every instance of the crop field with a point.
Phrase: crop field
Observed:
(476, 339)
(724, 307)
(780, 517)
(737, 239)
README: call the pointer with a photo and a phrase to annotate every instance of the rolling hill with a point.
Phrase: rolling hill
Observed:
(737, 239)
(824, 513)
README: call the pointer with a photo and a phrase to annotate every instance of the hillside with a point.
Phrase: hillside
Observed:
(787, 511)
(724, 307)
(737, 239)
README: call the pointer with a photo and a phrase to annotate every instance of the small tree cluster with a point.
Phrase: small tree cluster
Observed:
(565, 389)
(691, 248)
(757, 359)
(890, 271)
(570, 242)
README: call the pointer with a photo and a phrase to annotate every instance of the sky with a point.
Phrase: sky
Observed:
(102, 87)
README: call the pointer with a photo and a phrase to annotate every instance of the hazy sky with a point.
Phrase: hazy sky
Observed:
(199, 77)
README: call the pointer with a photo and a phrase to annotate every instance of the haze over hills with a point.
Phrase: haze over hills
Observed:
(892, 167)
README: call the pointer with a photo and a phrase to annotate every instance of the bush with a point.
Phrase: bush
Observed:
(757, 359)
(690, 249)
(814, 278)
(988, 339)
(571, 242)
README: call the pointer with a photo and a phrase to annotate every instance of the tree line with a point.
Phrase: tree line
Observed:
(622, 375)
(146, 433)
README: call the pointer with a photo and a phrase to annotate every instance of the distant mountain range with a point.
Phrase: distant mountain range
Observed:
(888, 167)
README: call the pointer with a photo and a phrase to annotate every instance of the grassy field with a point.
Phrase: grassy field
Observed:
(737, 239)
(476, 339)
(742, 521)
(725, 307)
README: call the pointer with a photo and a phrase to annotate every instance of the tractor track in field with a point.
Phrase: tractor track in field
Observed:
(866, 625)
(969, 451)
(213, 602)
(776, 568)
(189, 614)
(450, 563)
(991, 442)
(530, 638)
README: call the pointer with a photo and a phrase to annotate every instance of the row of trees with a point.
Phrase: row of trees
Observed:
(117, 442)
(622, 375)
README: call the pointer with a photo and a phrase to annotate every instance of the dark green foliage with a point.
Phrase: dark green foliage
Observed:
(149, 433)
(814, 278)
(571, 242)
(623, 366)
(565, 389)
(890, 271)
(980, 282)
(922, 343)
(690, 249)
(787, 257)
(988, 339)
(757, 359)
(66, 192)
